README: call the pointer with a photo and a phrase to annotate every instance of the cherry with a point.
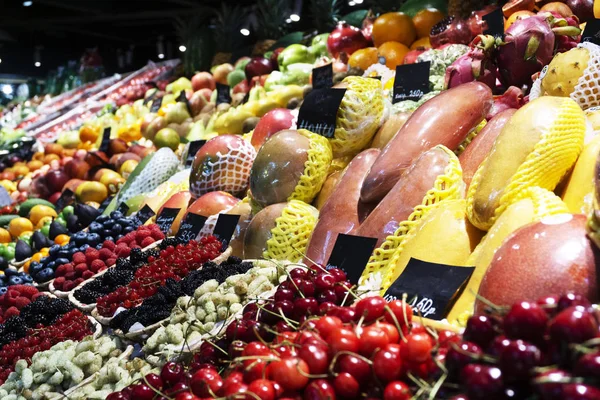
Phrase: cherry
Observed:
(479, 330)
(346, 314)
(237, 330)
(518, 358)
(315, 356)
(372, 338)
(171, 373)
(305, 306)
(327, 296)
(338, 274)
(326, 307)
(234, 388)
(371, 308)
(445, 337)
(186, 396)
(525, 320)
(570, 300)
(285, 351)
(588, 366)
(263, 389)
(357, 367)
(578, 391)
(206, 383)
(343, 339)
(282, 326)
(256, 349)
(573, 325)
(154, 381)
(284, 294)
(290, 373)
(177, 388)
(341, 291)
(417, 348)
(142, 392)
(319, 389)
(387, 364)
(548, 304)
(236, 349)
(298, 273)
(346, 385)
(397, 390)
(307, 288)
(270, 313)
(483, 382)
(390, 330)
(399, 312)
(549, 384)
(461, 354)
(325, 282)
(117, 396)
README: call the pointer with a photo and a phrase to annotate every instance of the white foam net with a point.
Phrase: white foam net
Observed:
(587, 90)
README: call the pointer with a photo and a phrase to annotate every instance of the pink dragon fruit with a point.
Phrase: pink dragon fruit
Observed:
(476, 65)
(529, 44)
(564, 42)
(511, 98)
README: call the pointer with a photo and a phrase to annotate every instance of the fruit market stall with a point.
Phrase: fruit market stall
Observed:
(407, 207)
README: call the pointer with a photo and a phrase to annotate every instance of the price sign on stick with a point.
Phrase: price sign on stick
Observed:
(351, 253)
(411, 82)
(190, 227)
(225, 227)
(166, 218)
(318, 112)
(144, 214)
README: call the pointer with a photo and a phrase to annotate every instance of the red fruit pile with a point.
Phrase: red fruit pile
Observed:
(71, 326)
(172, 263)
(85, 265)
(17, 297)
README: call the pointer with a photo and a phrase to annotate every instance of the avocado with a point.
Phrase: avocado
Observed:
(57, 229)
(22, 251)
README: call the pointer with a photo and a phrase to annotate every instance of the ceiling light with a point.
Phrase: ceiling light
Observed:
(7, 89)
(0, 61)
(296, 17)
(289, 21)
(37, 64)
(182, 48)
(244, 31)
(358, 1)
(27, 3)
(351, 3)
(161, 56)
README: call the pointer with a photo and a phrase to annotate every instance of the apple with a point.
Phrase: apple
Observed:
(72, 184)
(272, 122)
(56, 179)
(273, 58)
(179, 200)
(411, 56)
(197, 103)
(76, 168)
(221, 71)
(206, 93)
(213, 203)
(203, 80)
(257, 66)
(54, 197)
(241, 87)
(53, 148)
(117, 146)
(345, 38)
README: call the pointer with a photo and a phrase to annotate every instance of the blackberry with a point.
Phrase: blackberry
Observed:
(136, 256)
(170, 241)
(123, 263)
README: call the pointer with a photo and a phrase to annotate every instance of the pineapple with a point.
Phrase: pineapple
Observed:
(197, 37)
(325, 14)
(270, 18)
(227, 31)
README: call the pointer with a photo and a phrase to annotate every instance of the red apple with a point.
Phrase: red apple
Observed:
(179, 200)
(411, 56)
(213, 203)
(72, 184)
(241, 87)
(583, 9)
(56, 179)
(203, 80)
(221, 71)
(345, 38)
(54, 197)
(197, 102)
(273, 58)
(272, 122)
(206, 93)
(256, 67)
(77, 168)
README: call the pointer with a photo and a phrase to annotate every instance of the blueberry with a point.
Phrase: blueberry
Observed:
(15, 280)
(10, 272)
(79, 238)
(102, 218)
(3, 263)
(109, 238)
(128, 229)
(107, 232)
(124, 221)
(84, 247)
(52, 265)
(93, 239)
(27, 278)
(116, 229)
(73, 251)
(34, 267)
(61, 261)
(46, 274)
(95, 227)
(54, 250)
(64, 253)
(116, 214)
(3, 290)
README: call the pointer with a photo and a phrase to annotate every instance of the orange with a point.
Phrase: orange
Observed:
(425, 19)
(423, 43)
(5, 236)
(394, 54)
(394, 27)
(19, 225)
(523, 14)
(49, 157)
(34, 165)
(62, 239)
(88, 133)
(363, 58)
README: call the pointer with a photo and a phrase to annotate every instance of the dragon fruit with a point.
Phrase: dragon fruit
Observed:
(511, 98)
(564, 42)
(476, 65)
(450, 30)
(529, 44)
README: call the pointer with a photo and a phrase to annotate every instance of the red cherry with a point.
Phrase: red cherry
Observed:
(525, 320)
(399, 312)
(343, 339)
(357, 367)
(206, 383)
(324, 281)
(390, 330)
(346, 385)
(142, 392)
(154, 381)
(179, 387)
(372, 338)
(327, 324)
(234, 388)
(371, 308)
(577, 391)
(186, 396)
(338, 274)
(117, 396)
(315, 356)
(417, 348)
(482, 381)
(549, 384)
(263, 389)
(397, 390)
(518, 359)
(573, 325)
(479, 330)
(588, 366)
(287, 373)
(387, 364)
(256, 349)
(171, 373)
(461, 354)
(570, 300)
(319, 389)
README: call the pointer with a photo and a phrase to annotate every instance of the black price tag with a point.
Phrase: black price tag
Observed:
(351, 254)
(322, 77)
(5, 199)
(151, 97)
(319, 109)
(123, 208)
(375, 77)
(223, 95)
(66, 198)
(190, 227)
(225, 227)
(156, 104)
(246, 98)
(411, 81)
(431, 288)
(591, 33)
(192, 150)
(183, 99)
(495, 23)
(144, 214)
(166, 218)
(104, 145)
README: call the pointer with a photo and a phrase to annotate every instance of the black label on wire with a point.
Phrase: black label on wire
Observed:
(223, 94)
(156, 104)
(351, 254)
(591, 33)
(431, 288)
(123, 208)
(319, 109)
(246, 98)
(192, 150)
(190, 227)
(144, 214)
(183, 99)
(411, 81)
(225, 227)
(67, 197)
(105, 144)
(166, 218)
(151, 97)
(322, 77)
(495, 23)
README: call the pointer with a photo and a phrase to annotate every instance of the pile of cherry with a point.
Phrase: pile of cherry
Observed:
(305, 342)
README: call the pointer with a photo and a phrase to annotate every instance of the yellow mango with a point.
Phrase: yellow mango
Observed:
(579, 191)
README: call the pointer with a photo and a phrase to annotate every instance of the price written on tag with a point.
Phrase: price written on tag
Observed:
(151, 97)
(183, 99)
(322, 77)
(591, 33)
(105, 144)
(223, 94)
(166, 218)
(5, 199)
(411, 82)
(156, 104)
(318, 112)
(192, 150)
(495, 23)
(431, 288)
(123, 208)
(66, 198)
(225, 227)
(144, 214)
(351, 254)
(190, 227)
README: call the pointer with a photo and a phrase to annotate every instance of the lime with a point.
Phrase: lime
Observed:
(10, 253)
(61, 221)
(45, 230)
(3, 249)
(167, 137)
(67, 211)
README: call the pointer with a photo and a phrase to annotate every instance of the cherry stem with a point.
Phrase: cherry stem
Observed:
(389, 310)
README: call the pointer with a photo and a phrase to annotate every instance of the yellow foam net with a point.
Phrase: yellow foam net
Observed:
(359, 116)
(315, 168)
(545, 166)
(474, 132)
(289, 237)
(447, 186)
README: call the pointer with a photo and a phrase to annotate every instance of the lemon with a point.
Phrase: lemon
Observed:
(167, 137)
